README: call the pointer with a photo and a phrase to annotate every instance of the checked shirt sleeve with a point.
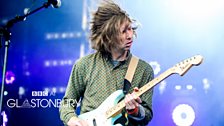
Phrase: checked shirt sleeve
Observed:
(73, 93)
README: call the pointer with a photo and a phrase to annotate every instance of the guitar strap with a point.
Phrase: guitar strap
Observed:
(130, 73)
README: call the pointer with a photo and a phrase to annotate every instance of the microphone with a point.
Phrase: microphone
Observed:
(55, 3)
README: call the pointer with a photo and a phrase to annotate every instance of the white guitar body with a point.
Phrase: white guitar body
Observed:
(98, 116)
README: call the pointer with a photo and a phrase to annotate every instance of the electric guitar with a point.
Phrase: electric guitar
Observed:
(110, 110)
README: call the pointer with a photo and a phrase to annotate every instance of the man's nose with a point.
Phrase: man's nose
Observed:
(128, 37)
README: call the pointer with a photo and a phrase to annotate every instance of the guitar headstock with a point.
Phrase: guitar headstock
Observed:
(182, 67)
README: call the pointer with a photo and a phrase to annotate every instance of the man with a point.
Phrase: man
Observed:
(98, 75)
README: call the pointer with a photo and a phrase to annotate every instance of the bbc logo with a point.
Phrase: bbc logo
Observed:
(39, 93)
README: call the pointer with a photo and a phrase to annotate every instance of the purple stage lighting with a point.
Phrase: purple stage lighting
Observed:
(10, 77)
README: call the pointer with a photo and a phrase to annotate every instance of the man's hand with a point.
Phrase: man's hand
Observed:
(132, 102)
(74, 121)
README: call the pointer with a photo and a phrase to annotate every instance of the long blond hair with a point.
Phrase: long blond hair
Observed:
(105, 26)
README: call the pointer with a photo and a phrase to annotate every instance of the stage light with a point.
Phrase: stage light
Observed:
(26, 11)
(5, 93)
(10, 77)
(47, 89)
(178, 87)
(206, 84)
(62, 89)
(63, 35)
(78, 34)
(47, 63)
(183, 115)
(54, 89)
(49, 36)
(62, 62)
(82, 50)
(27, 73)
(189, 87)
(71, 35)
(21, 91)
(5, 118)
(162, 87)
(56, 35)
(56, 63)
(70, 62)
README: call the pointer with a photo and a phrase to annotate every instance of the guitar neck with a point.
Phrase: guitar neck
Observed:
(117, 108)
(154, 82)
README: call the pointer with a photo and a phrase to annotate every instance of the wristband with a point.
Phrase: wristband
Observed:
(133, 111)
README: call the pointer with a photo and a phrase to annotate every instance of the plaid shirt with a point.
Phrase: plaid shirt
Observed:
(94, 78)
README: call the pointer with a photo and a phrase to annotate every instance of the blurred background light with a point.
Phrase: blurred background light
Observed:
(9, 77)
(5, 118)
(162, 87)
(183, 115)
(189, 87)
(21, 91)
(178, 87)
(156, 67)
(5, 92)
(206, 84)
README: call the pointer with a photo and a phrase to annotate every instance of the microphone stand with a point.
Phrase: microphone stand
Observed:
(5, 32)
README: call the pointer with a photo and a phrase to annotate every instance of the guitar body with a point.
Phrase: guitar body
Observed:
(98, 117)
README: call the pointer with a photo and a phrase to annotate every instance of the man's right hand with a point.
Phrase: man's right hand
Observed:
(74, 121)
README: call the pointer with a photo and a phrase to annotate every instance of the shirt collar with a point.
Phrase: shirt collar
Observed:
(122, 64)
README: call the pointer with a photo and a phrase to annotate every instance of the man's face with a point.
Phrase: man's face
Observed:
(125, 36)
